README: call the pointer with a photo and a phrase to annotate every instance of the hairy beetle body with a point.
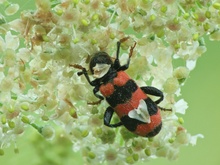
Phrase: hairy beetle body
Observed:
(137, 112)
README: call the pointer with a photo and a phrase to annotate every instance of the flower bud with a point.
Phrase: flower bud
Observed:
(181, 73)
(11, 9)
(47, 132)
(147, 152)
(108, 136)
(25, 119)
(2, 152)
(11, 124)
(24, 106)
(171, 85)
(110, 155)
(3, 120)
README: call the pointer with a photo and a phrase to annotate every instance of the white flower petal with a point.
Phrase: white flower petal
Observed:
(181, 106)
(190, 64)
(12, 41)
(193, 139)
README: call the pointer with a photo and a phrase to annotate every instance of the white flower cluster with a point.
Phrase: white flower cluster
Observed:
(39, 88)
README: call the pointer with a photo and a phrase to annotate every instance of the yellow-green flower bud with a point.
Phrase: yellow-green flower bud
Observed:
(85, 22)
(24, 106)
(216, 5)
(11, 124)
(91, 155)
(25, 119)
(181, 73)
(171, 85)
(3, 120)
(147, 152)
(47, 132)
(130, 160)
(11, 9)
(1, 152)
(135, 157)
(180, 120)
(84, 133)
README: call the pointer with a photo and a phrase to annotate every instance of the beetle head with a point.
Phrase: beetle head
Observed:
(100, 64)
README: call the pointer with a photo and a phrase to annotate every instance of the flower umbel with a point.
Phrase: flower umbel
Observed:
(38, 87)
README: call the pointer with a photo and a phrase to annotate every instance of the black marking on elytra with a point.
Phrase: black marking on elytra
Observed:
(151, 106)
(122, 94)
(130, 123)
(155, 131)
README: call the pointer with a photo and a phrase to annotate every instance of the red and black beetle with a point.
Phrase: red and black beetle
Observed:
(137, 112)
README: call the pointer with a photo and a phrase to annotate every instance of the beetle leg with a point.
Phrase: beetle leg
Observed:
(84, 71)
(92, 83)
(153, 91)
(164, 109)
(94, 102)
(108, 116)
(117, 64)
(126, 66)
(95, 90)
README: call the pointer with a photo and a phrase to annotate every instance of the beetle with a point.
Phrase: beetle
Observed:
(137, 112)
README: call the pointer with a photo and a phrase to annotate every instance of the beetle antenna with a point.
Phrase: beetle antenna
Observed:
(124, 39)
(77, 66)
(132, 49)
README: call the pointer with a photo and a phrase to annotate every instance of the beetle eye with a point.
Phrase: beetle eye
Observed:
(99, 70)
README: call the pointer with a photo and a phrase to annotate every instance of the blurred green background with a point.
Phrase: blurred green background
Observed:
(201, 91)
